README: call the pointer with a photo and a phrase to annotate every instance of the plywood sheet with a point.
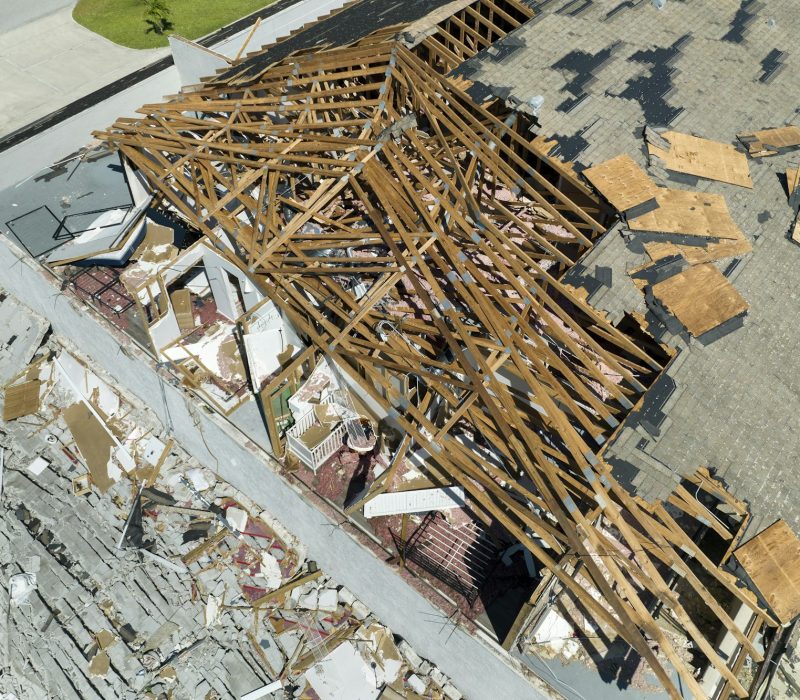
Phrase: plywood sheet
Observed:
(700, 214)
(622, 182)
(21, 400)
(697, 255)
(792, 179)
(772, 561)
(93, 441)
(768, 142)
(701, 298)
(703, 158)
(182, 305)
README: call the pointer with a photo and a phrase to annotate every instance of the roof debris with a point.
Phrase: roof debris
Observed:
(701, 157)
(208, 596)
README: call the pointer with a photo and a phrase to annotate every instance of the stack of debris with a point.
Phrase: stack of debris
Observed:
(683, 232)
(138, 574)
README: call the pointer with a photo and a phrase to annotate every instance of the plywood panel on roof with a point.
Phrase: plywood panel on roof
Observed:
(704, 158)
(768, 142)
(697, 255)
(622, 182)
(701, 298)
(21, 400)
(94, 443)
(772, 561)
(687, 213)
(792, 181)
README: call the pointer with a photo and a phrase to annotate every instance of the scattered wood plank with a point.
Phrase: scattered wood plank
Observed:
(701, 298)
(770, 142)
(695, 214)
(21, 400)
(622, 182)
(703, 158)
(772, 561)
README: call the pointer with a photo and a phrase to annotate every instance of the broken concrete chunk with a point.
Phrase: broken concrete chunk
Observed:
(451, 692)
(360, 611)
(309, 601)
(346, 597)
(416, 684)
(20, 588)
(414, 660)
(237, 518)
(328, 600)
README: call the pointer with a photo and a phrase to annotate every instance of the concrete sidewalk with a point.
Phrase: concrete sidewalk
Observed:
(52, 60)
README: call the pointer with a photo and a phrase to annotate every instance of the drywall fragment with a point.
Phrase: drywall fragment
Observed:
(20, 588)
(125, 459)
(153, 450)
(343, 675)
(99, 665)
(237, 518)
(199, 480)
(38, 465)
(213, 611)
(270, 571)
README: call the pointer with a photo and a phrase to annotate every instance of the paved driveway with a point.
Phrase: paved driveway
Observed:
(51, 61)
(18, 13)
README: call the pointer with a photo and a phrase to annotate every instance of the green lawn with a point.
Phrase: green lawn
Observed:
(123, 21)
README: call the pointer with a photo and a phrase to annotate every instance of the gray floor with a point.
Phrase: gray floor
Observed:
(34, 210)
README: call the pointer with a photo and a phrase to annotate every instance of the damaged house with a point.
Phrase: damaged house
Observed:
(360, 257)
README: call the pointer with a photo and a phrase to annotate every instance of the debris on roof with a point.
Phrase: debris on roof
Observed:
(165, 580)
(701, 298)
(623, 183)
(696, 215)
(772, 561)
(365, 255)
(702, 157)
(770, 142)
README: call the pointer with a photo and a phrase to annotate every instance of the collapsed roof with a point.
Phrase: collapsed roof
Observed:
(416, 239)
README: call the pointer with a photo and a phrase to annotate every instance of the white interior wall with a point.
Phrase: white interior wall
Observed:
(225, 296)
(165, 330)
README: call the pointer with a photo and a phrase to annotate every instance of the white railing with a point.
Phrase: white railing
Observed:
(315, 457)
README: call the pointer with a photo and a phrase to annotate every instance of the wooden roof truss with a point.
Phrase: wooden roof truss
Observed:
(414, 238)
